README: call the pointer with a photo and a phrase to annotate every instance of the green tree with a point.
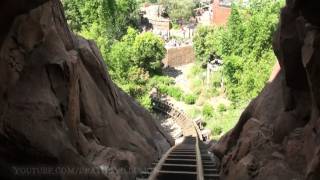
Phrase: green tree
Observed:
(148, 52)
(131, 57)
(201, 43)
(144, 51)
(245, 46)
(179, 9)
(101, 20)
(132, 61)
(121, 55)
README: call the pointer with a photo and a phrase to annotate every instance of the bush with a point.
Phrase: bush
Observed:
(145, 101)
(169, 90)
(175, 92)
(207, 111)
(134, 90)
(157, 81)
(217, 130)
(222, 108)
(148, 52)
(190, 99)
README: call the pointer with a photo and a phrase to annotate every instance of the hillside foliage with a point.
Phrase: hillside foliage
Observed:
(132, 57)
(179, 9)
(244, 44)
(102, 20)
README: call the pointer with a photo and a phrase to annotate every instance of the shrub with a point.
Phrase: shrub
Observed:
(133, 89)
(190, 98)
(148, 50)
(157, 81)
(163, 89)
(207, 111)
(217, 130)
(175, 92)
(145, 101)
(222, 108)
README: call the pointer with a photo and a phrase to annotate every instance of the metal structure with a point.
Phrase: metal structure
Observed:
(188, 160)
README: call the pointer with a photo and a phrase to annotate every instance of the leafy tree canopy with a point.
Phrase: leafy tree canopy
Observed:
(107, 19)
(131, 57)
(245, 46)
(135, 58)
(179, 9)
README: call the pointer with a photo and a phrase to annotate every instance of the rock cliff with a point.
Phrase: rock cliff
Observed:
(58, 105)
(278, 135)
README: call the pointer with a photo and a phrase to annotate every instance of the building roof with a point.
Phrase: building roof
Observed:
(225, 2)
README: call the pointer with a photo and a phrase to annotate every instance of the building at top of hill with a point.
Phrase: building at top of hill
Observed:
(221, 12)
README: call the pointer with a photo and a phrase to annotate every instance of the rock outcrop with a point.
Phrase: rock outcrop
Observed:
(59, 107)
(278, 135)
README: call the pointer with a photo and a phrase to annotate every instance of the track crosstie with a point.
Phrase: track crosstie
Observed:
(188, 160)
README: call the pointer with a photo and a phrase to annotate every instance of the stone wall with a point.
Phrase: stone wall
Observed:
(178, 56)
(160, 23)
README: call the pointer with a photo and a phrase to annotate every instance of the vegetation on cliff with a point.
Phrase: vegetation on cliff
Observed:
(135, 59)
(132, 57)
(245, 46)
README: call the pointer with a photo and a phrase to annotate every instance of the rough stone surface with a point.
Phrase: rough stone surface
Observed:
(58, 105)
(277, 136)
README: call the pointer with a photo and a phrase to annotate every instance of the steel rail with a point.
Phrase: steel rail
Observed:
(187, 160)
(157, 168)
(199, 167)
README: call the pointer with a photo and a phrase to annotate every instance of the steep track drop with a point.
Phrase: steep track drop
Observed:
(188, 160)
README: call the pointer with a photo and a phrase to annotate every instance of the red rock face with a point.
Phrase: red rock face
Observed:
(277, 136)
(59, 107)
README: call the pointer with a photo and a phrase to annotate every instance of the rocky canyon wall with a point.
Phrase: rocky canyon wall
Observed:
(58, 105)
(278, 135)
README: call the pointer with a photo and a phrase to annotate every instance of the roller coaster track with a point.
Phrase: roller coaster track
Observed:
(188, 160)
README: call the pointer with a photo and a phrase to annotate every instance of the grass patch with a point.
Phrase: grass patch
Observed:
(223, 119)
